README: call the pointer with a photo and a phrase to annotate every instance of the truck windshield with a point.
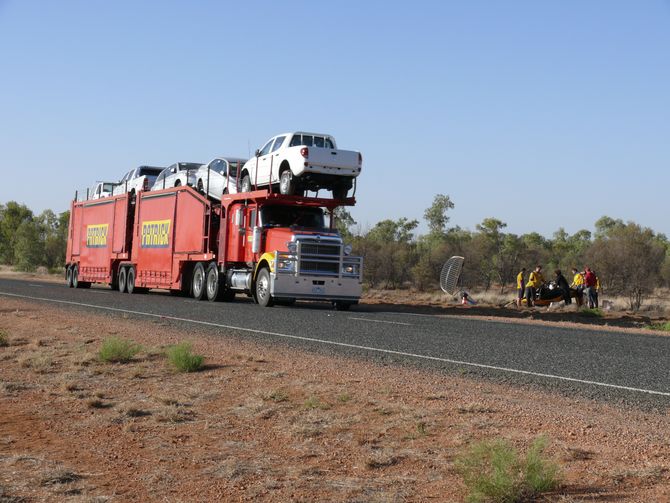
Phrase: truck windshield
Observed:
(290, 216)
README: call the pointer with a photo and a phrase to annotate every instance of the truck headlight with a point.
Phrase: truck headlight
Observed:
(350, 269)
(292, 247)
(285, 265)
(347, 249)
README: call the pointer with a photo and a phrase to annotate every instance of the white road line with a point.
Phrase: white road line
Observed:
(352, 346)
(381, 321)
(36, 286)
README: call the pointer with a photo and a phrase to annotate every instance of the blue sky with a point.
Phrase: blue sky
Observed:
(504, 106)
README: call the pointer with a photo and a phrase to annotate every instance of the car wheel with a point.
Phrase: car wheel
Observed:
(130, 282)
(177, 183)
(246, 184)
(68, 276)
(262, 288)
(340, 192)
(213, 283)
(286, 183)
(199, 281)
(123, 279)
(201, 189)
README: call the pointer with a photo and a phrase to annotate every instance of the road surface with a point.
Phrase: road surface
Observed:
(613, 366)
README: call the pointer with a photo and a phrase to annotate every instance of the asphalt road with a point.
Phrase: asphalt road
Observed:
(631, 369)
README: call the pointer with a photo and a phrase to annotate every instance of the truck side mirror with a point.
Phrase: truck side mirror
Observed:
(256, 240)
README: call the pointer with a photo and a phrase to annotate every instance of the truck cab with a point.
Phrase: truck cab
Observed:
(283, 248)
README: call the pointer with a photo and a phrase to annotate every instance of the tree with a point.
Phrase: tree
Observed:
(28, 246)
(436, 214)
(344, 222)
(11, 217)
(630, 257)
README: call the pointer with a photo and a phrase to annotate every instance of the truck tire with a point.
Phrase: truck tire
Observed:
(130, 281)
(68, 276)
(75, 276)
(214, 286)
(199, 281)
(341, 305)
(286, 183)
(123, 279)
(262, 288)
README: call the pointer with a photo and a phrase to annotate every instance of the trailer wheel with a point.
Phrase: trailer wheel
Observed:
(68, 276)
(199, 281)
(262, 288)
(75, 276)
(213, 283)
(130, 282)
(123, 279)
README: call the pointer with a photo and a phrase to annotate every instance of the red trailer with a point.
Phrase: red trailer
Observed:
(99, 238)
(272, 247)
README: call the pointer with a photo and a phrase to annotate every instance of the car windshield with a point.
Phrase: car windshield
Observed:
(232, 168)
(183, 166)
(290, 216)
(308, 140)
(150, 172)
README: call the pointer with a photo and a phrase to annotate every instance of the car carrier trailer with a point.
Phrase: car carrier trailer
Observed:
(272, 247)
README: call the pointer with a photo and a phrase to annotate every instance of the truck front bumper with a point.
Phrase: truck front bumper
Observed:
(314, 287)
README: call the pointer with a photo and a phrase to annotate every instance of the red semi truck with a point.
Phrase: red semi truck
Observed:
(272, 247)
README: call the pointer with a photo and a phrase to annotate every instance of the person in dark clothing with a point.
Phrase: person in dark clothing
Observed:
(563, 284)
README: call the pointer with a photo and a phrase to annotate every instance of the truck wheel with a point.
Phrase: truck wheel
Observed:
(199, 281)
(286, 183)
(123, 280)
(263, 296)
(68, 276)
(75, 276)
(213, 283)
(341, 305)
(130, 281)
(246, 184)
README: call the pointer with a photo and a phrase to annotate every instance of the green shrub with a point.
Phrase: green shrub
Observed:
(4, 340)
(116, 349)
(592, 313)
(493, 471)
(663, 327)
(183, 359)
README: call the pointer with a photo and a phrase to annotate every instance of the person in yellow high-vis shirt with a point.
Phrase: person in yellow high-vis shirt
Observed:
(578, 284)
(520, 286)
(535, 280)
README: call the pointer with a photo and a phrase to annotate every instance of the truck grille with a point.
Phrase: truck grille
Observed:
(320, 258)
(320, 249)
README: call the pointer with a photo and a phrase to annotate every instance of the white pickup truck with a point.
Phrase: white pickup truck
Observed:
(302, 161)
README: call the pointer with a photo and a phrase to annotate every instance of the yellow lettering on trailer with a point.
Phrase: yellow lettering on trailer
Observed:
(96, 235)
(155, 234)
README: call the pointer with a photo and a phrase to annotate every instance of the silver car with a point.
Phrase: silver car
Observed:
(177, 174)
(141, 178)
(218, 176)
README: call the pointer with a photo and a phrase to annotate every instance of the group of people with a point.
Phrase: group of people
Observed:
(584, 283)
